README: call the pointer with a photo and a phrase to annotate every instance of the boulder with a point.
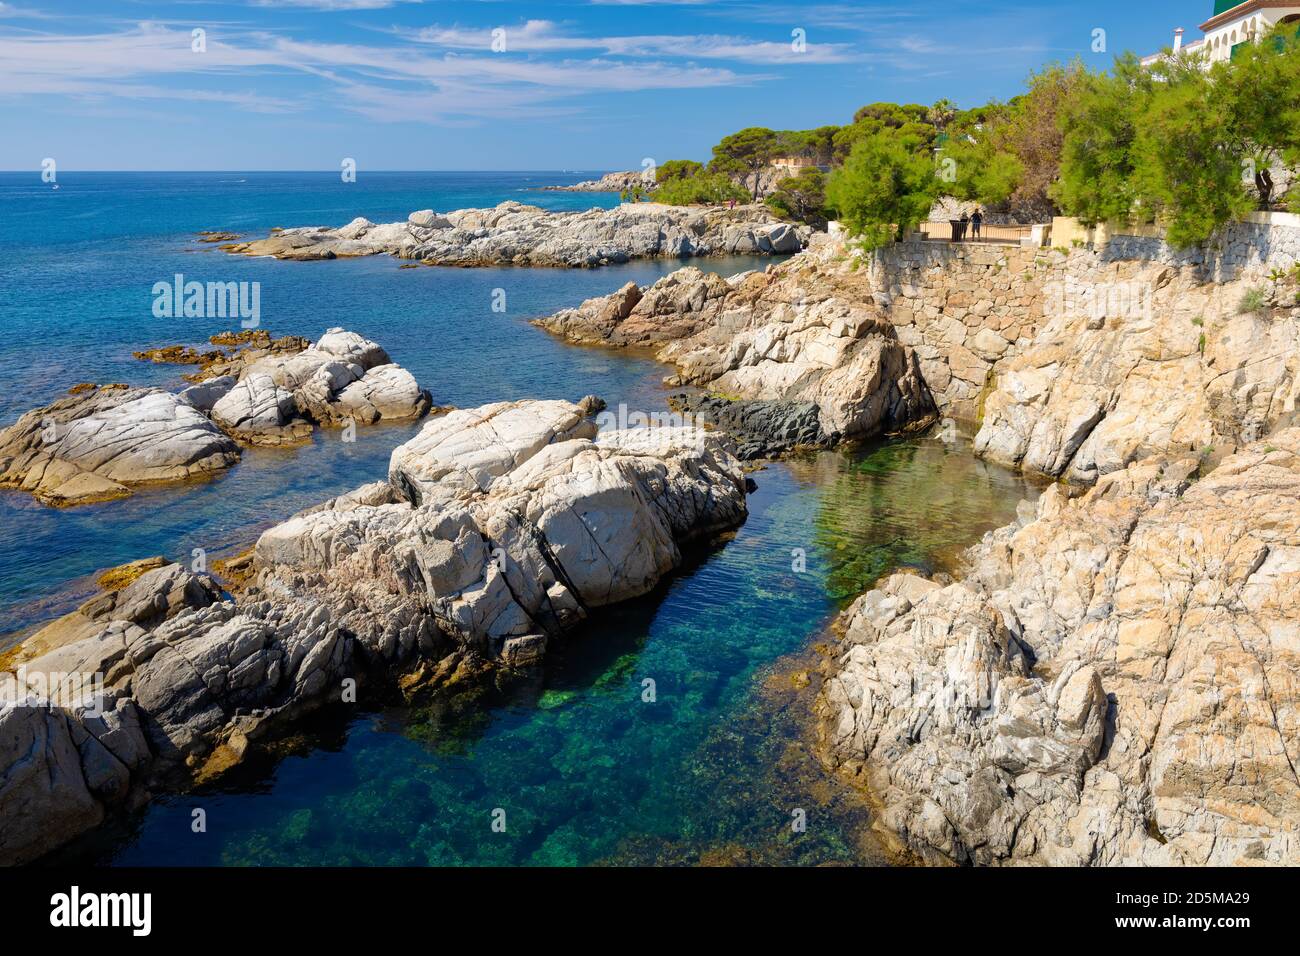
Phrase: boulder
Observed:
(500, 527)
(104, 443)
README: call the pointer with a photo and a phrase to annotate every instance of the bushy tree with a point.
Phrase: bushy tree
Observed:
(634, 193)
(801, 197)
(1189, 156)
(746, 153)
(677, 169)
(1260, 90)
(1099, 124)
(885, 187)
(703, 188)
(911, 121)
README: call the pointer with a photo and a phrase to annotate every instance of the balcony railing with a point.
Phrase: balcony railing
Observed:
(988, 232)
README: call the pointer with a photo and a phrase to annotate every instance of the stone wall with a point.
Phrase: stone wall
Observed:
(1264, 241)
(962, 308)
(966, 308)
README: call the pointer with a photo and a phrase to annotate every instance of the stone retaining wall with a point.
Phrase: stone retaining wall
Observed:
(1265, 241)
(964, 308)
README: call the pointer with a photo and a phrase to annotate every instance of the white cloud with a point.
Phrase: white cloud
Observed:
(406, 81)
(544, 36)
(333, 4)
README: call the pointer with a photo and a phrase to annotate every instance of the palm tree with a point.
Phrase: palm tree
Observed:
(941, 113)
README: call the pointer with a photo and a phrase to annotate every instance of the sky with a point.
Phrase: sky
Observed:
(496, 85)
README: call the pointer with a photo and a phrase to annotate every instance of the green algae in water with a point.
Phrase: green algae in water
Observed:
(585, 770)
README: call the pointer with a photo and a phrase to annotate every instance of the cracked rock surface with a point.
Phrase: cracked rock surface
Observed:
(1189, 369)
(1116, 681)
(806, 332)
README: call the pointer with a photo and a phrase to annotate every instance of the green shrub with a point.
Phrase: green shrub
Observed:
(1255, 300)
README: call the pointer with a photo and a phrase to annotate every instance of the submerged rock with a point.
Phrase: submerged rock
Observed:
(498, 529)
(512, 233)
(761, 429)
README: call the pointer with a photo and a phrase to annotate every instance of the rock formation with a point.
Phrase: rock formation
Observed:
(608, 183)
(498, 529)
(1116, 681)
(1176, 365)
(515, 234)
(772, 348)
(101, 442)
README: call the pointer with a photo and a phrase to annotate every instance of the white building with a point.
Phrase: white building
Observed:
(1233, 23)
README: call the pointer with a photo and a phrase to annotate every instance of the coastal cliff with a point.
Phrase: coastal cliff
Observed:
(514, 234)
(1114, 681)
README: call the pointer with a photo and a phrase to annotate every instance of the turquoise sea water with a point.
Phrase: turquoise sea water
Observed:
(581, 768)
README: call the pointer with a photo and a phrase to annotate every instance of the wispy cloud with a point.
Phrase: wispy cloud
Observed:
(545, 36)
(13, 12)
(332, 4)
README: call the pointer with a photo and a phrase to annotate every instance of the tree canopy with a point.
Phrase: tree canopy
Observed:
(885, 187)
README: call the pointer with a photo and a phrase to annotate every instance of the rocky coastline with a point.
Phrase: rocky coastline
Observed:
(102, 442)
(496, 530)
(514, 234)
(798, 354)
(1114, 679)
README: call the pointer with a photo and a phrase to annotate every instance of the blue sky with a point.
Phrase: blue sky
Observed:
(586, 84)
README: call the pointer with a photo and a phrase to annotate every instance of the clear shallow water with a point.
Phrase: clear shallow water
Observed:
(585, 770)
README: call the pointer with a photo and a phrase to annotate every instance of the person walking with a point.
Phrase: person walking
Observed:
(976, 221)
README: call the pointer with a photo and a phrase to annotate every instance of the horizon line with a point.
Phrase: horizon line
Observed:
(37, 170)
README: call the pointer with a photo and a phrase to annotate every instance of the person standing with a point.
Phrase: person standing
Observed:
(976, 221)
(961, 231)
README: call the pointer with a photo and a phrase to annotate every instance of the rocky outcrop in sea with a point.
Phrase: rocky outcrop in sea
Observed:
(515, 234)
(772, 351)
(102, 442)
(496, 530)
(608, 183)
